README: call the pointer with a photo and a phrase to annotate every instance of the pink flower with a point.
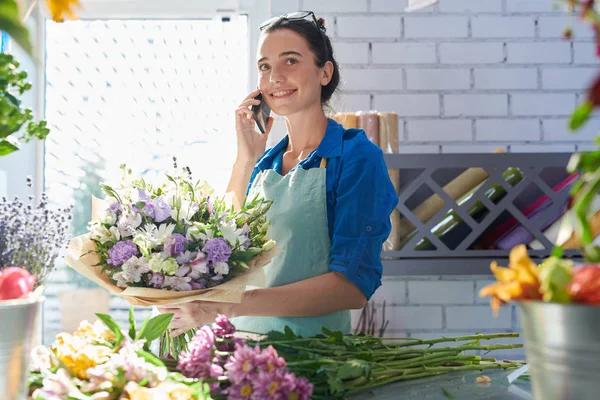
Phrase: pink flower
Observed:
(223, 327)
(242, 364)
(296, 389)
(270, 360)
(196, 363)
(271, 385)
(240, 391)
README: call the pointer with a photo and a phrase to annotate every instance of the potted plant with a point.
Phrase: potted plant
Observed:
(559, 299)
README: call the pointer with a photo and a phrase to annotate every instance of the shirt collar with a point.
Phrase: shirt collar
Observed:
(330, 146)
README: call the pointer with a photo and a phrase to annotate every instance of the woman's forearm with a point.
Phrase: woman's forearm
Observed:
(240, 178)
(315, 296)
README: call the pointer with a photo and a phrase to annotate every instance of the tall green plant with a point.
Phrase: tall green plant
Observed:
(14, 117)
(586, 163)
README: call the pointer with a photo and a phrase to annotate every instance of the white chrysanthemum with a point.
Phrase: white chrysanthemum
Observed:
(222, 268)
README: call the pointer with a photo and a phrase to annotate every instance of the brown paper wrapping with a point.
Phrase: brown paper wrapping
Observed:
(369, 122)
(229, 292)
(456, 188)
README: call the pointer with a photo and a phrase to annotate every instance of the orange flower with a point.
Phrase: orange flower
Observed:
(62, 8)
(518, 281)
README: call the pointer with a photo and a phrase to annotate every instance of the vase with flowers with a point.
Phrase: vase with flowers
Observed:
(32, 235)
(559, 298)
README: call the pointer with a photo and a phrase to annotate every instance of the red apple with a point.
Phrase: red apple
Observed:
(15, 282)
(585, 286)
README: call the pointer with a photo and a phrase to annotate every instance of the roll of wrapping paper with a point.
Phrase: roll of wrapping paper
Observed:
(348, 120)
(451, 220)
(369, 122)
(457, 188)
(393, 241)
(388, 132)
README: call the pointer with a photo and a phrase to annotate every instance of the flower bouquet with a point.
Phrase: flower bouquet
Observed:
(170, 243)
(103, 361)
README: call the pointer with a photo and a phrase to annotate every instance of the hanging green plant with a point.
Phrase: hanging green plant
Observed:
(13, 117)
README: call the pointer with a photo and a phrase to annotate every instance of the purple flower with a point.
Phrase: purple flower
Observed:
(121, 252)
(196, 362)
(217, 250)
(162, 210)
(143, 195)
(182, 271)
(157, 280)
(114, 207)
(186, 257)
(198, 285)
(175, 244)
(149, 210)
(242, 364)
(223, 327)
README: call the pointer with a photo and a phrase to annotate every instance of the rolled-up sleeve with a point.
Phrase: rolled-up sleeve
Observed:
(364, 200)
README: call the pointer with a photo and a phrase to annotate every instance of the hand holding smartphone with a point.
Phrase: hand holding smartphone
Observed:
(261, 113)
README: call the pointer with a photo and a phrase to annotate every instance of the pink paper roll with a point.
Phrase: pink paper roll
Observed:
(369, 122)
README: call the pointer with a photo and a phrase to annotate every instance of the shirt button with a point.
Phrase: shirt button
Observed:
(368, 228)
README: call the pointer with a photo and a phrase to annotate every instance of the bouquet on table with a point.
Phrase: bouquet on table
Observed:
(170, 243)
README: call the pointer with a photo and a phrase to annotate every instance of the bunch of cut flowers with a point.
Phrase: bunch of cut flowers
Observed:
(173, 242)
(103, 361)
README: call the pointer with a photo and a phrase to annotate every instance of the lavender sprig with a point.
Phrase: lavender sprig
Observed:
(32, 235)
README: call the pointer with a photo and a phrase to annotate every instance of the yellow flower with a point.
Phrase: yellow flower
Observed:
(62, 8)
(519, 281)
(135, 392)
(165, 390)
(76, 353)
(96, 332)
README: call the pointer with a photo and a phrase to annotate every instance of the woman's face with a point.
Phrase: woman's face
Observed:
(288, 76)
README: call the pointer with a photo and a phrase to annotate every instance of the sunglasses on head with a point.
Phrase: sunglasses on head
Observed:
(294, 16)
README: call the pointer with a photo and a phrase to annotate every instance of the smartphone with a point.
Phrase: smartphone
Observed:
(261, 113)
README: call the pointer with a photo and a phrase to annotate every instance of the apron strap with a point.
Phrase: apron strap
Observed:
(323, 163)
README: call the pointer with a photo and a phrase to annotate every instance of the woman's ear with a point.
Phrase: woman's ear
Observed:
(327, 73)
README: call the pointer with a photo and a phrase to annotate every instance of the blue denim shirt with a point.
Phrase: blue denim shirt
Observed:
(360, 199)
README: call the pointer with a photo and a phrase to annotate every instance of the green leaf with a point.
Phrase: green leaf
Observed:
(448, 394)
(151, 358)
(10, 22)
(7, 147)
(276, 336)
(152, 329)
(353, 369)
(557, 252)
(246, 255)
(580, 115)
(112, 325)
(131, 323)
(289, 334)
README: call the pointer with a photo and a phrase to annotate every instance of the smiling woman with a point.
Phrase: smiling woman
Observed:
(330, 187)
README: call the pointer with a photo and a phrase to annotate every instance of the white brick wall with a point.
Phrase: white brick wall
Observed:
(464, 76)
(470, 74)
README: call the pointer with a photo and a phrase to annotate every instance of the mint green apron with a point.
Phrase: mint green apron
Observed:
(298, 220)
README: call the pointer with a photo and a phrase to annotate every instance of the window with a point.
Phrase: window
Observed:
(137, 92)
